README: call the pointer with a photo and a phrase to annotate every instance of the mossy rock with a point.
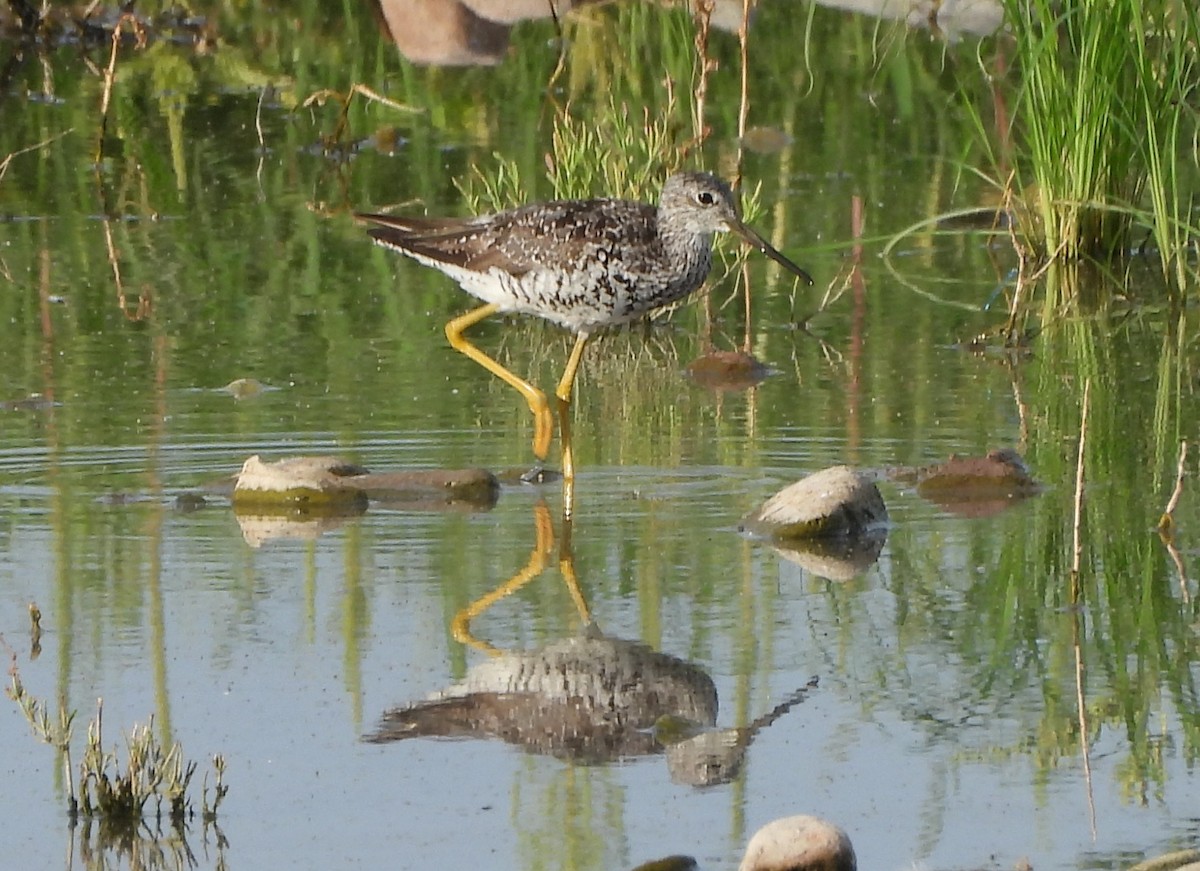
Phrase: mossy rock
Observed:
(332, 484)
(299, 483)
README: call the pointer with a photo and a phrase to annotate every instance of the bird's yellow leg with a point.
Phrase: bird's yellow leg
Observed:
(566, 566)
(565, 385)
(460, 626)
(567, 382)
(543, 425)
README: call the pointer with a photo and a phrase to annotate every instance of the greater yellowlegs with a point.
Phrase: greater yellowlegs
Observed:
(583, 264)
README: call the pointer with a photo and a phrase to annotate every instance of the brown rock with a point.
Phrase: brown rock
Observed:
(478, 487)
(727, 371)
(974, 486)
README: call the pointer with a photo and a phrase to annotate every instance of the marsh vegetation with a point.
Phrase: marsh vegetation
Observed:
(175, 207)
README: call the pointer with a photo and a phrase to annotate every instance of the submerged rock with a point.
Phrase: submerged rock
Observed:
(728, 371)
(766, 140)
(526, 476)
(332, 484)
(838, 501)
(1000, 469)
(245, 388)
(189, 500)
(670, 863)
(974, 486)
(478, 487)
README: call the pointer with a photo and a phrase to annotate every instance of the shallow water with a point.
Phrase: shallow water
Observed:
(943, 731)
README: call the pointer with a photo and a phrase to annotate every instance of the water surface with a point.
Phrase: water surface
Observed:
(944, 728)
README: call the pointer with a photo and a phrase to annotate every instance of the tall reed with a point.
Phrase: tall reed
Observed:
(1102, 112)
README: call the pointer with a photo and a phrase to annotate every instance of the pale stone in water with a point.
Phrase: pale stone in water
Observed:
(799, 843)
(328, 481)
(244, 388)
(835, 501)
(302, 479)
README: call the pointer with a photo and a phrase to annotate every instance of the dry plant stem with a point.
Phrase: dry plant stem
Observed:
(744, 58)
(1080, 702)
(10, 157)
(47, 76)
(1166, 526)
(702, 11)
(1076, 542)
(854, 278)
(1010, 339)
(36, 714)
(746, 331)
(1077, 615)
(849, 276)
(1019, 403)
(376, 97)
(1180, 568)
(111, 72)
(344, 100)
(743, 113)
(262, 141)
(561, 38)
(262, 144)
(143, 304)
(35, 631)
(1167, 521)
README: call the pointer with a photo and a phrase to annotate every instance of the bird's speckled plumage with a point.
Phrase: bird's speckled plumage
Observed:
(583, 264)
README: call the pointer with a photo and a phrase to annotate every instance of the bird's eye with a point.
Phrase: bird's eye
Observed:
(705, 198)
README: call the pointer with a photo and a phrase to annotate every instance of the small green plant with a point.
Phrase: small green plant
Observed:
(495, 190)
(118, 796)
(619, 154)
(616, 153)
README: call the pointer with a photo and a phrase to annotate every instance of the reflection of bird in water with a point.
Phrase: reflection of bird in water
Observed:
(709, 757)
(582, 264)
(590, 699)
(587, 698)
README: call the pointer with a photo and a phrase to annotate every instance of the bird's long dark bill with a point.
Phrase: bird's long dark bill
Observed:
(765, 247)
